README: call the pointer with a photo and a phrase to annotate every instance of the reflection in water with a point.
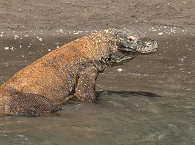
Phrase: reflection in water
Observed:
(157, 105)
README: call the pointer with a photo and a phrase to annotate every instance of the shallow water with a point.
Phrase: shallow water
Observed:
(148, 101)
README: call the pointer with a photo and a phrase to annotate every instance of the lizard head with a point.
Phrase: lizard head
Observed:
(129, 46)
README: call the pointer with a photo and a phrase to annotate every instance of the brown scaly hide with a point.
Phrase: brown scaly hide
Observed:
(52, 79)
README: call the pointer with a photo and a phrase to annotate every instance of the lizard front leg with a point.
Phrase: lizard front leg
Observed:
(85, 89)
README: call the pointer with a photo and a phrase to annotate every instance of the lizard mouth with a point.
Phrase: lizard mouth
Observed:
(140, 46)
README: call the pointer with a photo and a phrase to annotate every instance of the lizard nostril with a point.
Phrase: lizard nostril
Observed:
(148, 43)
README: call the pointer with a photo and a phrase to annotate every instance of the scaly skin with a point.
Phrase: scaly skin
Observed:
(69, 71)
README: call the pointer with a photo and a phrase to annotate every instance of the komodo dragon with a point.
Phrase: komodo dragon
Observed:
(69, 71)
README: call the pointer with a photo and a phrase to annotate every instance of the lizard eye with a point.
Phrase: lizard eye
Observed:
(131, 38)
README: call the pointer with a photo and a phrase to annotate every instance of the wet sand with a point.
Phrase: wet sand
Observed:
(148, 101)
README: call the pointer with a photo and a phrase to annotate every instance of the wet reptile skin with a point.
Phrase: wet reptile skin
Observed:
(69, 71)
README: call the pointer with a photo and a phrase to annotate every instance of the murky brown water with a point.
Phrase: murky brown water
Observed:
(148, 101)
